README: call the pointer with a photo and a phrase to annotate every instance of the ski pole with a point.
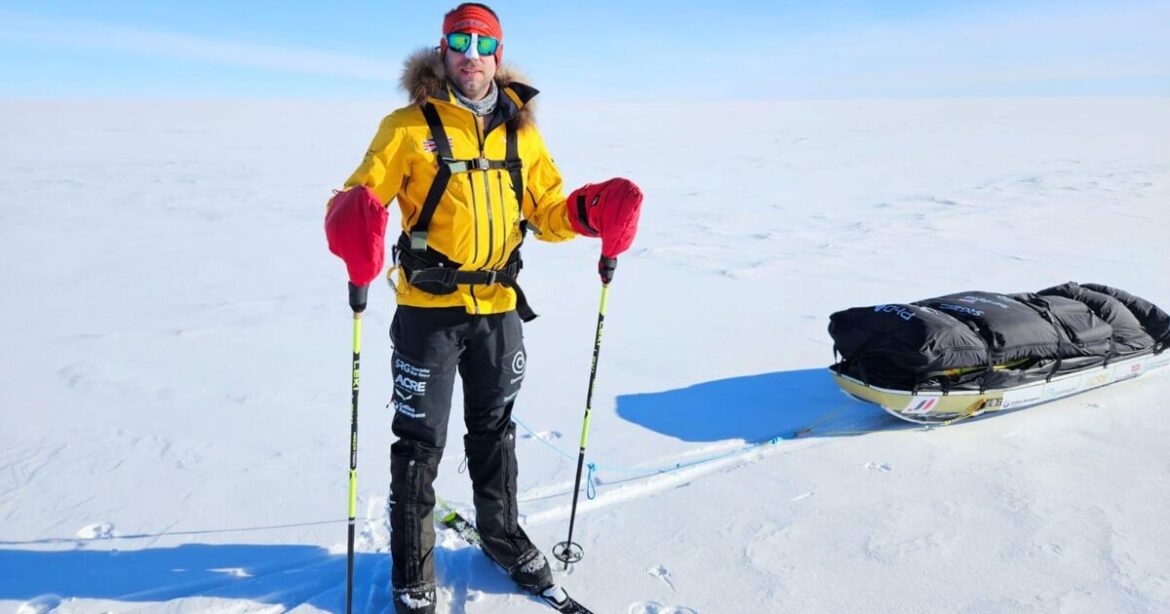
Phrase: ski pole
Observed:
(569, 551)
(357, 302)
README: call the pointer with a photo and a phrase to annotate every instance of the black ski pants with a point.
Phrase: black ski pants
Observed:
(430, 346)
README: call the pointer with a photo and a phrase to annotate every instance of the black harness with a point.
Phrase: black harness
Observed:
(431, 271)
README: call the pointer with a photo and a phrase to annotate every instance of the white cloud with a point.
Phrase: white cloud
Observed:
(1012, 50)
(1054, 50)
(92, 35)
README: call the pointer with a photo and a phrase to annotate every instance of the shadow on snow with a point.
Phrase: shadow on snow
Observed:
(284, 575)
(754, 408)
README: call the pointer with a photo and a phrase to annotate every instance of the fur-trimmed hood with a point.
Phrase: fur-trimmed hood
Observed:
(423, 76)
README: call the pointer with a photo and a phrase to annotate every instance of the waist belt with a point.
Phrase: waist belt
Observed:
(434, 273)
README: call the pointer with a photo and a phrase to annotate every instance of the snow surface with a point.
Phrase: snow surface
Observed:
(175, 397)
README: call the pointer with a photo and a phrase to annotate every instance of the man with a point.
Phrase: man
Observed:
(471, 175)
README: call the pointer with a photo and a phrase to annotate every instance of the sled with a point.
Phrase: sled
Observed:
(954, 357)
(941, 408)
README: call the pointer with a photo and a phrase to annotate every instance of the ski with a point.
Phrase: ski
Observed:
(555, 596)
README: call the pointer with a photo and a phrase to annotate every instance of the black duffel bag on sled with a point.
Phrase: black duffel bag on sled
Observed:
(958, 355)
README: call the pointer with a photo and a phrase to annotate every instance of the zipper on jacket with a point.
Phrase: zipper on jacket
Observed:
(505, 227)
(474, 218)
(487, 190)
(475, 208)
(479, 136)
(481, 140)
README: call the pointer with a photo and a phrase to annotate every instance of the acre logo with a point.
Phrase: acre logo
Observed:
(410, 385)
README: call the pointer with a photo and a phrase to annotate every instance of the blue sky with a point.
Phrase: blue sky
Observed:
(604, 49)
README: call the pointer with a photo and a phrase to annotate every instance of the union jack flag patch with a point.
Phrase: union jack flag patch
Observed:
(429, 144)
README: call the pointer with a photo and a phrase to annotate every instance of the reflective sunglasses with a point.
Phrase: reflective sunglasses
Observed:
(460, 42)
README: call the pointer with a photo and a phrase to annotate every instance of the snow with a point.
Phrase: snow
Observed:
(175, 398)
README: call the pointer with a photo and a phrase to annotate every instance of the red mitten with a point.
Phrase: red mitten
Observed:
(355, 225)
(608, 210)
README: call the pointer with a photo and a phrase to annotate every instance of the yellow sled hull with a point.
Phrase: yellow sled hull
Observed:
(935, 407)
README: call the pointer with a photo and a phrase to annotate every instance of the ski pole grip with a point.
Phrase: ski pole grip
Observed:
(606, 267)
(357, 297)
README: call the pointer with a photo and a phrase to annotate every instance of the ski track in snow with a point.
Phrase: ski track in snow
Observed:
(646, 486)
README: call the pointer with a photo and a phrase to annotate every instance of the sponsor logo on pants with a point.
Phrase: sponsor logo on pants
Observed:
(411, 370)
(407, 410)
(410, 385)
(409, 380)
(518, 362)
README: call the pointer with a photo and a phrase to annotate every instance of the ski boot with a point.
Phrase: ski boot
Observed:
(532, 572)
(417, 600)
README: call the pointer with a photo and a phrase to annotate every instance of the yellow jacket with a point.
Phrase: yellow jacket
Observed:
(477, 221)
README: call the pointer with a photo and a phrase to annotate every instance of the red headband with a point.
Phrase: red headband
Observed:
(473, 20)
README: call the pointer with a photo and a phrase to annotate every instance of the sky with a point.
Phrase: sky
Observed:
(601, 50)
